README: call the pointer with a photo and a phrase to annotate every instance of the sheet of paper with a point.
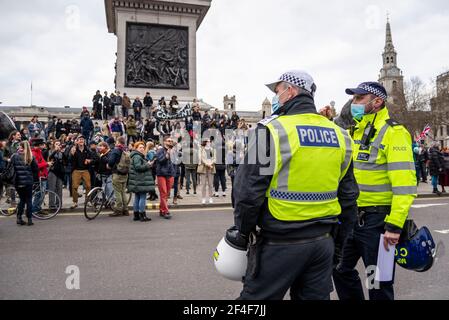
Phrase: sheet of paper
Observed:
(385, 262)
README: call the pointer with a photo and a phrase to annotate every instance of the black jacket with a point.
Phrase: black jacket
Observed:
(78, 160)
(57, 168)
(436, 161)
(103, 161)
(25, 174)
(148, 101)
(251, 203)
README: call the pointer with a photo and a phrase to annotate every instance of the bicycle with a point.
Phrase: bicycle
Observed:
(96, 200)
(9, 202)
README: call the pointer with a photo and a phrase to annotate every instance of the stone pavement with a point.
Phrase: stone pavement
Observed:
(194, 201)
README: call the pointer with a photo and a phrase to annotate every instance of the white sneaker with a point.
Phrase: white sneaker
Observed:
(223, 194)
(211, 201)
(74, 206)
(204, 201)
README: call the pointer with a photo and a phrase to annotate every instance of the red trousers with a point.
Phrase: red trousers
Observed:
(164, 184)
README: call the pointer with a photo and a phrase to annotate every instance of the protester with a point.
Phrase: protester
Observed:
(220, 168)
(137, 107)
(120, 163)
(191, 170)
(103, 170)
(126, 105)
(43, 165)
(56, 173)
(165, 175)
(81, 160)
(140, 181)
(444, 176)
(131, 129)
(148, 102)
(206, 170)
(24, 167)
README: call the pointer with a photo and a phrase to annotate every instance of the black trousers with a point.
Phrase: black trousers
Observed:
(364, 243)
(220, 178)
(26, 199)
(305, 269)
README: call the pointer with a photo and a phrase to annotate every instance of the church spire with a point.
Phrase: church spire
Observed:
(389, 38)
(390, 54)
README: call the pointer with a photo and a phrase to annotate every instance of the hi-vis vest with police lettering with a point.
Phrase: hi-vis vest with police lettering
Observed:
(312, 157)
(385, 169)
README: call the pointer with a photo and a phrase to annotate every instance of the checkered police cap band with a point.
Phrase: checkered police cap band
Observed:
(294, 80)
(377, 92)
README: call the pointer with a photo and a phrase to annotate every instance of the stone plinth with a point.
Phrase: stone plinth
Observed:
(156, 46)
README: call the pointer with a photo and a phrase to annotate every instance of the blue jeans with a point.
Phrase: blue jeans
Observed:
(38, 197)
(106, 182)
(435, 182)
(140, 202)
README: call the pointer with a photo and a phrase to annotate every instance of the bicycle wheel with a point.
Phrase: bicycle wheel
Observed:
(94, 203)
(48, 208)
(9, 200)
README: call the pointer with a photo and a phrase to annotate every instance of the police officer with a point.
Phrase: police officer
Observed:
(385, 172)
(295, 184)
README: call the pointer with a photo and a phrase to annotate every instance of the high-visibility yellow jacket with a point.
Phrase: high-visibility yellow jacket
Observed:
(385, 169)
(312, 157)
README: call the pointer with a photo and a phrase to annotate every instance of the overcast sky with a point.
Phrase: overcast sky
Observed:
(65, 49)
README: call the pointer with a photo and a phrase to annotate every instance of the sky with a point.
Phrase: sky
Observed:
(64, 48)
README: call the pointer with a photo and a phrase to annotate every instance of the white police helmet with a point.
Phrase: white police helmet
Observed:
(230, 262)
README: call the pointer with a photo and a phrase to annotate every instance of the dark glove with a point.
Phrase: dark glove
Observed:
(235, 238)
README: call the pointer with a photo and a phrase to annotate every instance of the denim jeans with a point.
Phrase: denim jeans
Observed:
(140, 202)
(106, 182)
(435, 182)
(38, 197)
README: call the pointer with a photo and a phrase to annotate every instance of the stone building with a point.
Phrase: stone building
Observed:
(440, 109)
(23, 115)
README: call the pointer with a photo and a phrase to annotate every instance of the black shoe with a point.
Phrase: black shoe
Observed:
(188, 192)
(168, 216)
(136, 216)
(30, 223)
(20, 222)
(143, 217)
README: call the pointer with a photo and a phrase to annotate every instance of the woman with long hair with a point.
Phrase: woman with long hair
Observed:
(24, 165)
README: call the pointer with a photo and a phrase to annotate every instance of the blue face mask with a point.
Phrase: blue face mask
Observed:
(358, 111)
(276, 104)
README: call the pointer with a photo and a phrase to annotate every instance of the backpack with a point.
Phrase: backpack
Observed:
(8, 176)
(124, 164)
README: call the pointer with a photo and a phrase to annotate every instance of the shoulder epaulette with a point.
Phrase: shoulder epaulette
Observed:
(393, 123)
(265, 122)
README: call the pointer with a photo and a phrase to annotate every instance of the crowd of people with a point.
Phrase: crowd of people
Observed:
(433, 162)
(124, 151)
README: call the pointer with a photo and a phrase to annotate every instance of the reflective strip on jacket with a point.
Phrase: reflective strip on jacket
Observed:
(312, 157)
(385, 170)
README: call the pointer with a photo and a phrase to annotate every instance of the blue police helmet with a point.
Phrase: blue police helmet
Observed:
(418, 253)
